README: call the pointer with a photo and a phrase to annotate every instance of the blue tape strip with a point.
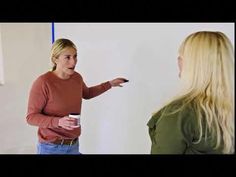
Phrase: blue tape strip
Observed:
(53, 32)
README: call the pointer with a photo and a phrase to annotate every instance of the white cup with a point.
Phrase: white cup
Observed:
(76, 116)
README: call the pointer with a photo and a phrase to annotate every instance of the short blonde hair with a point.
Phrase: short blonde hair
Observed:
(58, 47)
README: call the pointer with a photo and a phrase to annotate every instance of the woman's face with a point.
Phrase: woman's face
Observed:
(66, 62)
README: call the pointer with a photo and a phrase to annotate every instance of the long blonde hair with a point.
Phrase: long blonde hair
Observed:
(207, 79)
(58, 47)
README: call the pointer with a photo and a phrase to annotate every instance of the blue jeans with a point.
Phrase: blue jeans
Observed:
(50, 148)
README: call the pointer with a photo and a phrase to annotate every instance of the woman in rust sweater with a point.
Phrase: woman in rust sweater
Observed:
(56, 94)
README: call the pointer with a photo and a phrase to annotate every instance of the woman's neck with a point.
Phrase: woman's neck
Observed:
(61, 75)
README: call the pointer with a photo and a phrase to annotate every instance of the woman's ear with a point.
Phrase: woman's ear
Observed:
(180, 65)
(55, 60)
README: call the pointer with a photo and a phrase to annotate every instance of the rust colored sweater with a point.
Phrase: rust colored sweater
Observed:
(52, 98)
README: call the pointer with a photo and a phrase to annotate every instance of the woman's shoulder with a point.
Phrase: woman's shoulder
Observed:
(43, 77)
(154, 118)
(176, 111)
(41, 81)
(182, 117)
(49, 76)
(77, 75)
(180, 109)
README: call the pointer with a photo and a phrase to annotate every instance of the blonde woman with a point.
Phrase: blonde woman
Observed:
(200, 119)
(57, 93)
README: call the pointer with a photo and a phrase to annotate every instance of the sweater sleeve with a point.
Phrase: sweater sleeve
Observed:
(90, 92)
(36, 103)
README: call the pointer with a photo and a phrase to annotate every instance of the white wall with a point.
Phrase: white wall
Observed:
(115, 122)
(144, 53)
(25, 51)
(1, 61)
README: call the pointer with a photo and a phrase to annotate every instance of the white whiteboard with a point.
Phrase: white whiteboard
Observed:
(144, 53)
(1, 61)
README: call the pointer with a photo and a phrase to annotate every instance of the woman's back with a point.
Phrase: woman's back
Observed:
(177, 132)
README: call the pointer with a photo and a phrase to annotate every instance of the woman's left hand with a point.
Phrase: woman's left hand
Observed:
(118, 81)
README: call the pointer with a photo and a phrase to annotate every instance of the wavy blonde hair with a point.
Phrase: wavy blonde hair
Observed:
(58, 47)
(207, 79)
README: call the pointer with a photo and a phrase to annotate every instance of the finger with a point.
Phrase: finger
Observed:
(68, 118)
(72, 120)
(69, 128)
(75, 126)
(68, 124)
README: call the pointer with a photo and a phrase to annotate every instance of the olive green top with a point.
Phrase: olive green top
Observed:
(178, 132)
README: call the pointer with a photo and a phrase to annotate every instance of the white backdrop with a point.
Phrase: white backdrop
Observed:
(1, 61)
(144, 53)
